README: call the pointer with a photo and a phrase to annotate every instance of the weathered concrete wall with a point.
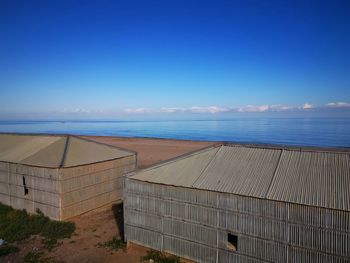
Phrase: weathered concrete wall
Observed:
(195, 224)
(88, 187)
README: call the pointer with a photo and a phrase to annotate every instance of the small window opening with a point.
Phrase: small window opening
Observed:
(26, 190)
(232, 242)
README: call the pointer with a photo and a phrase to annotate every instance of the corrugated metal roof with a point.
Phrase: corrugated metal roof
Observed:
(313, 178)
(240, 170)
(180, 172)
(316, 178)
(55, 151)
(80, 151)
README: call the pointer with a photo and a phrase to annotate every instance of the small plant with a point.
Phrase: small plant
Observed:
(114, 244)
(37, 257)
(8, 249)
(159, 257)
(50, 243)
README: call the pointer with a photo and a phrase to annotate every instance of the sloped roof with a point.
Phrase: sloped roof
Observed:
(55, 151)
(317, 178)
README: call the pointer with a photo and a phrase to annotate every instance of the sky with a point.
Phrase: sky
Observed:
(173, 59)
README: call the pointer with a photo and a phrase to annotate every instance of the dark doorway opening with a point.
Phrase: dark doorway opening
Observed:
(232, 242)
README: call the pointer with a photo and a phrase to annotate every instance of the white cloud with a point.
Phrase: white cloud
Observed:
(137, 110)
(241, 109)
(170, 110)
(210, 109)
(307, 106)
(253, 108)
(338, 105)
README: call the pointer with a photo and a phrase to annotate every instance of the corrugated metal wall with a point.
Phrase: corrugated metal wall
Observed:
(85, 188)
(63, 193)
(41, 183)
(195, 223)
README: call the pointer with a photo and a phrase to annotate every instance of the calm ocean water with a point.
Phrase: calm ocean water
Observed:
(291, 131)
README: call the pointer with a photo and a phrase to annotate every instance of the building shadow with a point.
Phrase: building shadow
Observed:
(118, 213)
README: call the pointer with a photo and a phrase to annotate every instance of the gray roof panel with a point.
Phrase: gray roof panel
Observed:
(55, 151)
(240, 170)
(313, 178)
(180, 172)
(81, 151)
(316, 178)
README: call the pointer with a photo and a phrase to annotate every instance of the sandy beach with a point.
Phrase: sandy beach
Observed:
(152, 151)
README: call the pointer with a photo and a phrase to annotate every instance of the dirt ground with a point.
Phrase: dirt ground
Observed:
(103, 225)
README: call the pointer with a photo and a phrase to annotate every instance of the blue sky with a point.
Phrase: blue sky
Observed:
(121, 59)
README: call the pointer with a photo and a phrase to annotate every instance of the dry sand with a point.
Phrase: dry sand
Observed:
(151, 151)
(102, 226)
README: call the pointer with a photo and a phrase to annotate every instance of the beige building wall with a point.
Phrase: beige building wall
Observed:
(85, 188)
(30, 188)
(61, 193)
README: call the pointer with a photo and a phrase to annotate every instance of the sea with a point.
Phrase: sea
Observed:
(320, 132)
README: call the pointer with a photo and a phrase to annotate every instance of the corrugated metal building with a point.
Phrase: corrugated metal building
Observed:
(244, 204)
(63, 176)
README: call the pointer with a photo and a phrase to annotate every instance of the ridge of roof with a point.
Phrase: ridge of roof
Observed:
(64, 155)
(53, 150)
(79, 137)
(290, 147)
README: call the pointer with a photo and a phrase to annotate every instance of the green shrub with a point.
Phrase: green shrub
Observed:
(16, 225)
(159, 257)
(49, 243)
(58, 230)
(8, 249)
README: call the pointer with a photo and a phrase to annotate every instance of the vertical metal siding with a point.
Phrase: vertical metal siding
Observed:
(144, 237)
(191, 250)
(190, 231)
(191, 217)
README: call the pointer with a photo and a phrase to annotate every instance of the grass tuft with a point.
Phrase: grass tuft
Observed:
(58, 230)
(159, 257)
(114, 244)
